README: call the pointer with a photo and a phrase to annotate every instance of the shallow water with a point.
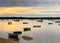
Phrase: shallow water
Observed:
(44, 34)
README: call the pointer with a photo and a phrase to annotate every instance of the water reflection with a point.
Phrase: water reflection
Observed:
(44, 34)
(14, 36)
(36, 26)
(27, 38)
(50, 23)
(9, 23)
(16, 20)
(25, 22)
(27, 29)
(57, 21)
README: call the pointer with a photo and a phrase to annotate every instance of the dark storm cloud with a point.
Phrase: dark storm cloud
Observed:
(28, 2)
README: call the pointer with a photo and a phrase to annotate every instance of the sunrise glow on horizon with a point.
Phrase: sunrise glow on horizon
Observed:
(30, 10)
(29, 7)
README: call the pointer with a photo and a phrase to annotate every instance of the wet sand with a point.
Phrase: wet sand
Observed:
(2, 40)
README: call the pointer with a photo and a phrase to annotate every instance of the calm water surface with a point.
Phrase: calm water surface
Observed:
(47, 33)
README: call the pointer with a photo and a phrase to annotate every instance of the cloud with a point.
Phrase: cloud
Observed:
(30, 10)
(5, 3)
(28, 6)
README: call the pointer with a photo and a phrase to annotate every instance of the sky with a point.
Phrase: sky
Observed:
(29, 7)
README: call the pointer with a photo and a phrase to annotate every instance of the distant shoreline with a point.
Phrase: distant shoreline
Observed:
(29, 17)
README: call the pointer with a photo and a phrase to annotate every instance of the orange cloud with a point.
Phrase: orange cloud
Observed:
(30, 10)
(19, 10)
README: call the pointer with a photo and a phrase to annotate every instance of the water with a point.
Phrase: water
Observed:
(44, 34)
